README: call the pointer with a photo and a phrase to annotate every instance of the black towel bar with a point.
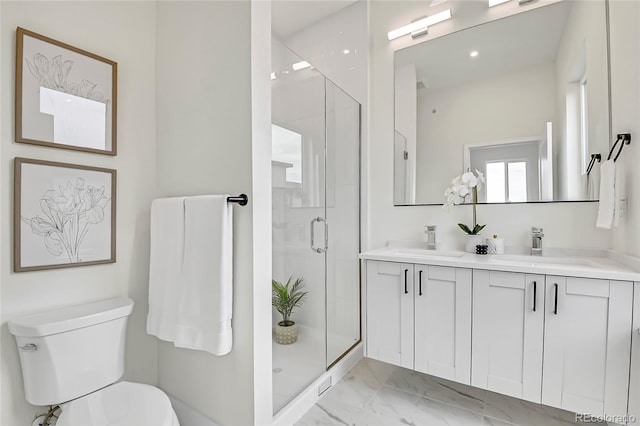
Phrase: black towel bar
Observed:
(241, 199)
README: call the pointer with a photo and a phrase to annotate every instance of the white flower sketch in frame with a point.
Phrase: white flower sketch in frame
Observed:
(64, 215)
(65, 96)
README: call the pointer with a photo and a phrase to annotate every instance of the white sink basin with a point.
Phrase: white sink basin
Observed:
(430, 253)
(541, 260)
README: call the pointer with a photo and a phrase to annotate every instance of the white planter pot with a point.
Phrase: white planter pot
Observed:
(286, 335)
(472, 242)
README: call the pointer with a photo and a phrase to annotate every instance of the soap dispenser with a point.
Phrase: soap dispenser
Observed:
(430, 236)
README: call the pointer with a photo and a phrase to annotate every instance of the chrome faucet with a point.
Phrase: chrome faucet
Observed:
(430, 239)
(536, 241)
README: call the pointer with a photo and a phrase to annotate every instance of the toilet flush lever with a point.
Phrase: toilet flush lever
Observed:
(29, 347)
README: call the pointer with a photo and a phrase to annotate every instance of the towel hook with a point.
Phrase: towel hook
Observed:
(625, 139)
(594, 158)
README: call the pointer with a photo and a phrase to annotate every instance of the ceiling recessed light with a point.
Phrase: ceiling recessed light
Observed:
(473, 53)
(346, 51)
(273, 76)
(496, 2)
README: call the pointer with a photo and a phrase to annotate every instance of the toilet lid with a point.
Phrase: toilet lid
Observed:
(121, 404)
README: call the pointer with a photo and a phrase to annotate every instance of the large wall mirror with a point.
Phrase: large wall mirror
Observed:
(524, 99)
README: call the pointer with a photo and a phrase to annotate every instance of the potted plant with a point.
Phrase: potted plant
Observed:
(461, 187)
(286, 297)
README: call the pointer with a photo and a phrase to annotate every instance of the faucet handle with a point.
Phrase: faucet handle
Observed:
(536, 230)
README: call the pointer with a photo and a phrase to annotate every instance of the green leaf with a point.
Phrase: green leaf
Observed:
(287, 296)
(465, 228)
(477, 229)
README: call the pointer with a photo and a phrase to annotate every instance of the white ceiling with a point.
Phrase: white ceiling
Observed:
(290, 16)
(505, 45)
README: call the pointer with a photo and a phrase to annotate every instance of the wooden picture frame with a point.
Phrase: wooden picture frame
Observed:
(64, 215)
(65, 97)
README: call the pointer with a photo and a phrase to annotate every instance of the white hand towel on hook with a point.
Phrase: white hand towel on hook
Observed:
(607, 203)
(620, 197)
(165, 266)
(205, 305)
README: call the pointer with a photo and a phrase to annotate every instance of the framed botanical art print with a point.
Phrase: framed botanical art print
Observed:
(65, 96)
(64, 215)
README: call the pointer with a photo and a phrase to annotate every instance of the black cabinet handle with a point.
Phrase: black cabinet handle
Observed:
(406, 289)
(534, 296)
(420, 283)
(555, 305)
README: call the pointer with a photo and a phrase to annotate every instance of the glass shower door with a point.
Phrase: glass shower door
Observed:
(343, 221)
(298, 193)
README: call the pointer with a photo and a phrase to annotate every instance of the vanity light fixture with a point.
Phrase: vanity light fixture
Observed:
(420, 26)
(346, 51)
(496, 2)
(300, 65)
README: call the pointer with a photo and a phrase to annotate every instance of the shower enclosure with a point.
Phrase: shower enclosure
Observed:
(316, 218)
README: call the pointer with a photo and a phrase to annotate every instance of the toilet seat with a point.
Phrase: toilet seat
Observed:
(120, 404)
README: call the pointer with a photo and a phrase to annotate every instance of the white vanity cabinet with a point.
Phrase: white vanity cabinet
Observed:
(587, 344)
(390, 312)
(508, 327)
(442, 321)
(568, 349)
(559, 332)
(419, 317)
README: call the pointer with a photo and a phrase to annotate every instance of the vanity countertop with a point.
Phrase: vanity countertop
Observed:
(605, 264)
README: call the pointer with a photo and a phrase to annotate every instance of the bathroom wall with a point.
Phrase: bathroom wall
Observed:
(625, 95)
(565, 224)
(125, 33)
(213, 123)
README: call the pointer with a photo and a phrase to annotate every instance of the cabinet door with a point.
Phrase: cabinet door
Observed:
(587, 345)
(443, 322)
(507, 331)
(390, 312)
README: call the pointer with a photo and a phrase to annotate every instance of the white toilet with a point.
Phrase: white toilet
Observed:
(72, 357)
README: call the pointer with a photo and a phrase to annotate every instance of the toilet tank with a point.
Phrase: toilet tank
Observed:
(73, 351)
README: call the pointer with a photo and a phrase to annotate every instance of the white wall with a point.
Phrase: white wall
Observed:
(521, 102)
(565, 224)
(625, 92)
(214, 132)
(125, 33)
(324, 42)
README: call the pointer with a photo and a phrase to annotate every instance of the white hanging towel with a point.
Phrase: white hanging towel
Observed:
(620, 198)
(165, 266)
(606, 206)
(205, 304)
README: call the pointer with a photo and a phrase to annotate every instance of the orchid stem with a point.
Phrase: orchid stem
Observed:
(475, 200)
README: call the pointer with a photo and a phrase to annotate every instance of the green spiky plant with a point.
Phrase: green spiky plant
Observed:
(286, 297)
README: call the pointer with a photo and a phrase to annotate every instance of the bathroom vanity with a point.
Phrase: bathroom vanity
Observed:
(551, 330)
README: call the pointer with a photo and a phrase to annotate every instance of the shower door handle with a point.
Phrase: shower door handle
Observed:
(326, 235)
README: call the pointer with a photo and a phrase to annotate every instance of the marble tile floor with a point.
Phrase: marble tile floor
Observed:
(375, 393)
